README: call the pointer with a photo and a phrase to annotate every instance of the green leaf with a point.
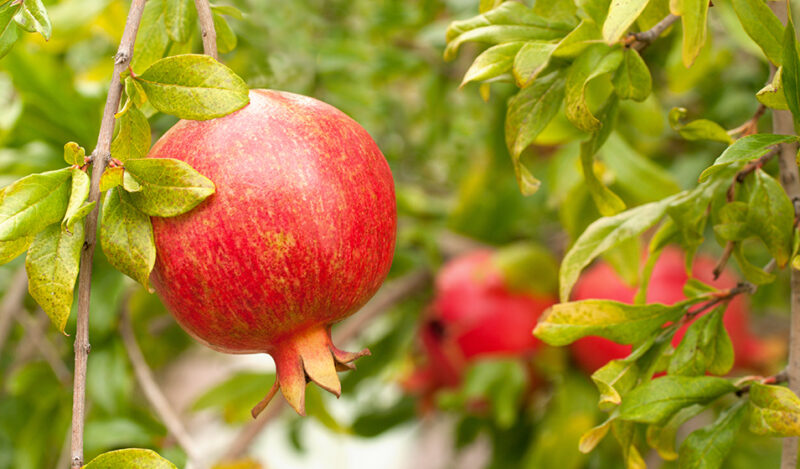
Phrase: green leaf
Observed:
(129, 183)
(631, 167)
(169, 187)
(752, 273)
(706, 346)
(613, 380)
(9, 250)
(632, 79)
(135, 92)
(126, 236)
(112, 177)
(607, 202)
(33, 16)
(79, 214)
(770, 216)
(694, 14)
(34, 202)
(604, 234)
(662, 437)
(704, 129)
(228, 10)
(193, 87)
(52, 266)
(625, 433)
(530, 61)
(743, 150)
(659, 399)
(74, 154)
(708, 447)
(152, 39)
(763, 27)
(574, 43)
(233, 397)
(592, 63)
(772, 95)
(9, 31)
(509, 22)
(494, 61)
(791, 71)
(621, 15)
(133, 138)
(130, 459)
(179, 18)
(78, 195)
(590, 439)
(564, 323)
(226, 38)
(774, 411)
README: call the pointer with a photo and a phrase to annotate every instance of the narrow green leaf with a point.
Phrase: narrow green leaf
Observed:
(704, 129)
(752, 273)
(564, 323)
(52, 267)
(78, 195)
(632, 79)
(763, 27)
(34, 202)
(169, 187)
(129, 183)
(604, 234)
(494, 61)
(74, 154)
(33, 16)
(630, 167)
(607, 202)
(133, 139)
(590, 439)
(228, 10)
(179, 18)
(112, 177)
(706, 346)
(130, 459)
(743, 150)
(530, 61)
(193, 87)
(592, 63)
(574, 43)
(659, 399)
(126, 236)
(135, 92)
(770, 216)
(9, 31)
(509, 22)
(621, 15)
(613, 380)
(10, 250)
(694, 14)
(774, 411)
(226, 38)
(708, 447)
(662, 437)
(152, 40)
(625, 433)
(772, 95)
(79, 214)
(791, 71)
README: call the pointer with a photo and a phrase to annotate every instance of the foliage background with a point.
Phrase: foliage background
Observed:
(381, 63)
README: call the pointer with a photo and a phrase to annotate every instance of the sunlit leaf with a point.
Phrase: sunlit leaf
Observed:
(763, 27)
(621, 15)
(78, 194)
(34, 202)
(632, 79)
(126, 236)
(179, 18)
(494, 61)
(592, 63)
(774, 411)
(130, 459)
(661, 398)
(133, 138)
(169, 187)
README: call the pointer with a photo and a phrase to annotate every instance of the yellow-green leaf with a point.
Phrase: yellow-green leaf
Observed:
(772, 95)
(77, 196)
(130, 459)
(774, 410)
(152, 39)
(763, 27)
(621, 15)
(52, 267)
(694, 14)
(632, 79)
(34, 202)
(530, 61)
(179, 18)
(126, 236)
(74, 154)
(169, 187)
(661, 398)
(226, 38)
(9, 250)
(492, 62)
(708, 447)
(33, 17)
(592, 63)
(133, 139)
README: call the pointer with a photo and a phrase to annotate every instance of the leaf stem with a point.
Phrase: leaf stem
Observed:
(100, 158)
(206, 20)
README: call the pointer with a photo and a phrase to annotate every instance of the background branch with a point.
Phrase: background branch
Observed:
(206, 20)
(12, 303)
(100, 158)
(38, 337)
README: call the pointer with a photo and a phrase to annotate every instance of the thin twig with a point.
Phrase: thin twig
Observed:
(206, 19)
(641, 40)
(39, 340)
(750, 127)
(153, 393)
(390, 295)
(779, 378)
(782, 123)
(12, 303)
(100, 158)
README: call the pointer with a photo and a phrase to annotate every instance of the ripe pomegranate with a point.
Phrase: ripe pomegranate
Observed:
(474, 314)
(666, 286)
(299, 234)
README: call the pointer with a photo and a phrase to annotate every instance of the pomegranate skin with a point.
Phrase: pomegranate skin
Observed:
(299, 234)
(666, 286)
(474, 315)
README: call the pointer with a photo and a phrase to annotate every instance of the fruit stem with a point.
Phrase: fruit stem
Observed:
(100, 158)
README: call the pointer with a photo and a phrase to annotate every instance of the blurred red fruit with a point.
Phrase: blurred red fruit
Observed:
(474, 314)
(666, 286)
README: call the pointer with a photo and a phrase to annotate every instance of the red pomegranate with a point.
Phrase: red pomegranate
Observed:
(666, 286)
(299, 234)
(474, 314)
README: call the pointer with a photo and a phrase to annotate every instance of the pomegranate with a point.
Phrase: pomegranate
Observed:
(666, 286)
(299, 234)
(474, 314)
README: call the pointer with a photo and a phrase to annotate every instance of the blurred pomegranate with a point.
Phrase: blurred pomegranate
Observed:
(478, 311)
(666, 286)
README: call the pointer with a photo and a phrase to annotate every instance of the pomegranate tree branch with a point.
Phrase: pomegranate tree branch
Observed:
(206, 20)
(390, 295)
(38, 337)
(12, 303)
(100, 157)
(782, 123)
(153, 393)
(643, 39)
